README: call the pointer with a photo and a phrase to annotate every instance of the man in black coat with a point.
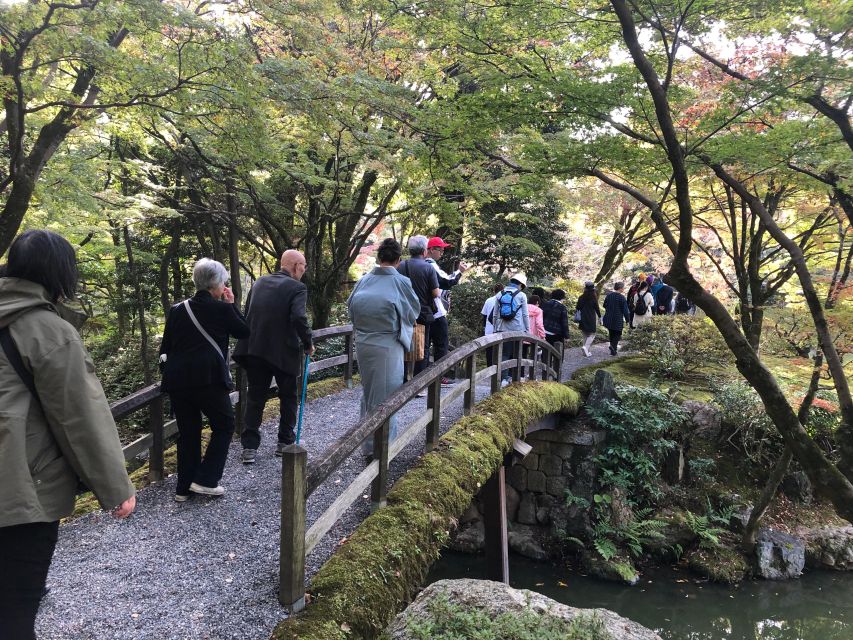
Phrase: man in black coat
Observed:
(275, 312)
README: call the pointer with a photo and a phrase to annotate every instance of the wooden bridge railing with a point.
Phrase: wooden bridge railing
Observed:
(160, 429)
(300, 479)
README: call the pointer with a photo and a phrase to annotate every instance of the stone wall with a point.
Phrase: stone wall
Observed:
(560, 463)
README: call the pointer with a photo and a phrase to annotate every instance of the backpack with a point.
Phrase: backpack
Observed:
(507, 305)
(682, 305)
(640, 307)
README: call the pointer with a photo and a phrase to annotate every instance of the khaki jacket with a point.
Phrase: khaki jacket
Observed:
(46, 446)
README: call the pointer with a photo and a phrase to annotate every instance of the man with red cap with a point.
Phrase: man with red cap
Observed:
(439, 336)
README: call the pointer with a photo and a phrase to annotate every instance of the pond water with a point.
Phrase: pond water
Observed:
(677, 605)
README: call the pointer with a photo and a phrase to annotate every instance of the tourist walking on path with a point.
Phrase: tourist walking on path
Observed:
(439, 335)
(275, 313)
(616, 314)
(196, 376)
(644, 303)
(383, 308)
(488, 308)
(555, 317)
(424, 281)
(510, 313)
(56, 427)
(537, 328)
(641, 277)
(587, 314)
(664, 300)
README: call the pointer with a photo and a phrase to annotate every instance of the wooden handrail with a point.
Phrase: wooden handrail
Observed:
(342, 448)
(295, 541)
(150, 396)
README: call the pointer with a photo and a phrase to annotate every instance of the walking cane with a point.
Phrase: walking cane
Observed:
(302, 401)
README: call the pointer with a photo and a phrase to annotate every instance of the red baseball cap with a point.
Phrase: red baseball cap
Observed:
(437, 242)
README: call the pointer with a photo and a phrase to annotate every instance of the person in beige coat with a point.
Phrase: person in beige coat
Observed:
(55, 424)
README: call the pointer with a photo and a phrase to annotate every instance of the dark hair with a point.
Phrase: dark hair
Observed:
(589, 294)
(498, 287)
(46, 258)
(389, 251)
(558, 294)
(539, 291)
(534, 299)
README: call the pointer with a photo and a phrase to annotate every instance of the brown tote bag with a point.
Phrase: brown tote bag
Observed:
(416, 353)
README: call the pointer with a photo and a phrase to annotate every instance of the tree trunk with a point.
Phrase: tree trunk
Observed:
(233, 237)
(827, 345)
(13, 211)
(140, 304)
(781, 468)
(165, 264)
(823, 474)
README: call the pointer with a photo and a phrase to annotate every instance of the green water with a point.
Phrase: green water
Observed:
(818, 606)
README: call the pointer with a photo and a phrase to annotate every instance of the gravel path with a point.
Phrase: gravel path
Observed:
(208, 568)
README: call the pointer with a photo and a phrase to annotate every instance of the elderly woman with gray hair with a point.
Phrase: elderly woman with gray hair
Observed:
(194, 353)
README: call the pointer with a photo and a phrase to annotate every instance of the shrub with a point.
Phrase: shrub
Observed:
(746, 424)
(679, 345)
(640, 426)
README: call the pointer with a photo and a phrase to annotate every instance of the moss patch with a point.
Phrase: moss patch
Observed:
(366, 581)
(634, 370)
(720, 563)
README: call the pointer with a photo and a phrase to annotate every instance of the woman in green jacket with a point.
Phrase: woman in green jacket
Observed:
(55, 424)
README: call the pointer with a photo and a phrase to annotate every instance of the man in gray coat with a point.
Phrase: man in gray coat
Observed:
(275, 313)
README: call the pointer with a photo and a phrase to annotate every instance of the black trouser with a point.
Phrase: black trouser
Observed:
(439, 338)
(189, 405)
(552, 339)
(25, 554)
(615, 336)
(259, 375)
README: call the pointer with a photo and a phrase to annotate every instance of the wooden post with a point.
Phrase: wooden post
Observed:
(380, 452)
(155, 456)
(434, 403)
(496, 360)
(517, 372)
(494, 519)
(350, 360)
(559, 364)
(291, 569)
(470, 398)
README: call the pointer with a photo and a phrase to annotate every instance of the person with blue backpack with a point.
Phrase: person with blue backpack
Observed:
(510, 314)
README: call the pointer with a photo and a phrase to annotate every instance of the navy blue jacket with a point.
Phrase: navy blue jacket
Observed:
(616, 312)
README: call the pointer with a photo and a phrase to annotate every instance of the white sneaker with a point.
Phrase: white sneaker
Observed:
(586, 352)
(504, 383)
(218, 490)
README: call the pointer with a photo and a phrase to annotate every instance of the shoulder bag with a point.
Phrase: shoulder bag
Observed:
(207, 337)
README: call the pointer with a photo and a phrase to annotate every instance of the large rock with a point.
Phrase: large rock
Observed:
(513, 499)
(705, 420)
(829, 548)
(797, 487)
(495, 598)
(602, 390)
(617, 569)
(524, 540)
(778, 555)
(470, 539)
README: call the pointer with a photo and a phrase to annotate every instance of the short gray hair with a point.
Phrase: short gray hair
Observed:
(417, 245)
(209, 273)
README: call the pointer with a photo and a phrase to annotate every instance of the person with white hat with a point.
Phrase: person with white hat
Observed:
(510, 314)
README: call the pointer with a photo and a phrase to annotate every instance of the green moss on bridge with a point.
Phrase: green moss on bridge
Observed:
(370, 578)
